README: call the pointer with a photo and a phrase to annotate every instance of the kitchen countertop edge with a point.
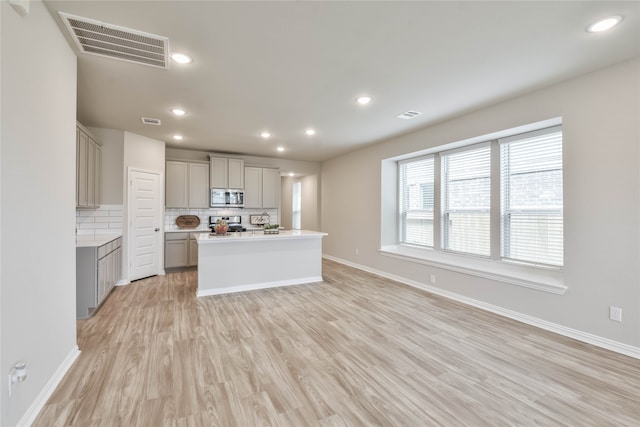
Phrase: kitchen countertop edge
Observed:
(176, 229)
(95, 241)
(206, 238)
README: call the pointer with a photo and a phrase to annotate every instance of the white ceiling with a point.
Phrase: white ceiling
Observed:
(286, 66)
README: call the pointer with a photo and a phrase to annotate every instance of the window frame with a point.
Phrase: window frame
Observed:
(534, 277)
(402, 213)
(445, 211)
(506, 212)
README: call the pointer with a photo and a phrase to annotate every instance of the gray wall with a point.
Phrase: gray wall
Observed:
(37, 277)
(600, 113)
(286, 201)
(310, 207)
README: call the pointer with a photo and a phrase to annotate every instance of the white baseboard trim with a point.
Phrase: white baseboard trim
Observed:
(123, 282)
(30, 416)
(586, 337)
(256, 286)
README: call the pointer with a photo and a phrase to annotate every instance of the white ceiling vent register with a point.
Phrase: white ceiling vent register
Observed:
(125, 44)
(408, 115)
(151, 121)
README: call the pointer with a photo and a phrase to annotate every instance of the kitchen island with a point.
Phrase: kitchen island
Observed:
(253, 260)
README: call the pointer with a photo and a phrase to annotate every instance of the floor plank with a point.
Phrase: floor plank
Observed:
(353, 350)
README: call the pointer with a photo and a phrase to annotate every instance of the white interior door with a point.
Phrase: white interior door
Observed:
(145, 216)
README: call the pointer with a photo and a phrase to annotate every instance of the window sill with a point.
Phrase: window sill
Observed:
(539, 278)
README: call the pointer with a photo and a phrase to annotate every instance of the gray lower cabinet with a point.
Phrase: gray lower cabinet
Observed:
(193, 250)
(180, 250)
(98, 269)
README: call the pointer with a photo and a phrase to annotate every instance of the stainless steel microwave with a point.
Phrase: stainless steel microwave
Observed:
(225, 198)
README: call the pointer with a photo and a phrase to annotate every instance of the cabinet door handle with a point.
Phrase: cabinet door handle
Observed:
(157, 229)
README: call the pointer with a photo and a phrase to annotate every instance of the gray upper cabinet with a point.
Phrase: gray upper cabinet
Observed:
(177, 185)
(262, 188)
(270, 188)
(252, 187)
(236, 173)
(219, 172)
(88, 165)
(187, 184)
(226, 172)
(199, 193)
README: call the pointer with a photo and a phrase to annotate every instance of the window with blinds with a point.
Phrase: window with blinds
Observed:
(296, 205)
(416, 201)
(466, 200)
(531, 197)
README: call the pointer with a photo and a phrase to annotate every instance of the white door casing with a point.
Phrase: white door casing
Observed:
(144, 224)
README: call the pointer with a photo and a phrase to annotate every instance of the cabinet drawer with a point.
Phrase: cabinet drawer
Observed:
(103, 250)
(176, 236)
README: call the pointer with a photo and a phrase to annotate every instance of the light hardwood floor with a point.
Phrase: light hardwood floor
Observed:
(354, 350)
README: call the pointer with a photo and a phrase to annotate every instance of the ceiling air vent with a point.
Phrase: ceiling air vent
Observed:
(125, 44)
(408, 115)
(150, 121)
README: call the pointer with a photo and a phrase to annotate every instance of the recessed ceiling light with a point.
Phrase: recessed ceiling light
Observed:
(290, 173)
(178, 111)
(177, 137)
(181, 58)
(280, 149)
(265, 134)
(310, 132)
(364, 100)
(604, 24)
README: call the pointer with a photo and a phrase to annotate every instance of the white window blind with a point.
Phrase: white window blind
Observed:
(416, 201)
(296, 204)
(531, 197)
(466, 200)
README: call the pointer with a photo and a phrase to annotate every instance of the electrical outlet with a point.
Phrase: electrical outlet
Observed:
(433, 279)
(17, 374)
(615, 314)
(357, 252)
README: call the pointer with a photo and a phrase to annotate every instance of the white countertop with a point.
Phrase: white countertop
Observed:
(248, 236)
(95, 241)
(202, 228)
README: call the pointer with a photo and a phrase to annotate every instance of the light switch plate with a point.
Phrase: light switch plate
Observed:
(20, 6)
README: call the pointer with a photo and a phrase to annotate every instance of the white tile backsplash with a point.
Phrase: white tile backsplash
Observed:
(107, 219)
(170, 215)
